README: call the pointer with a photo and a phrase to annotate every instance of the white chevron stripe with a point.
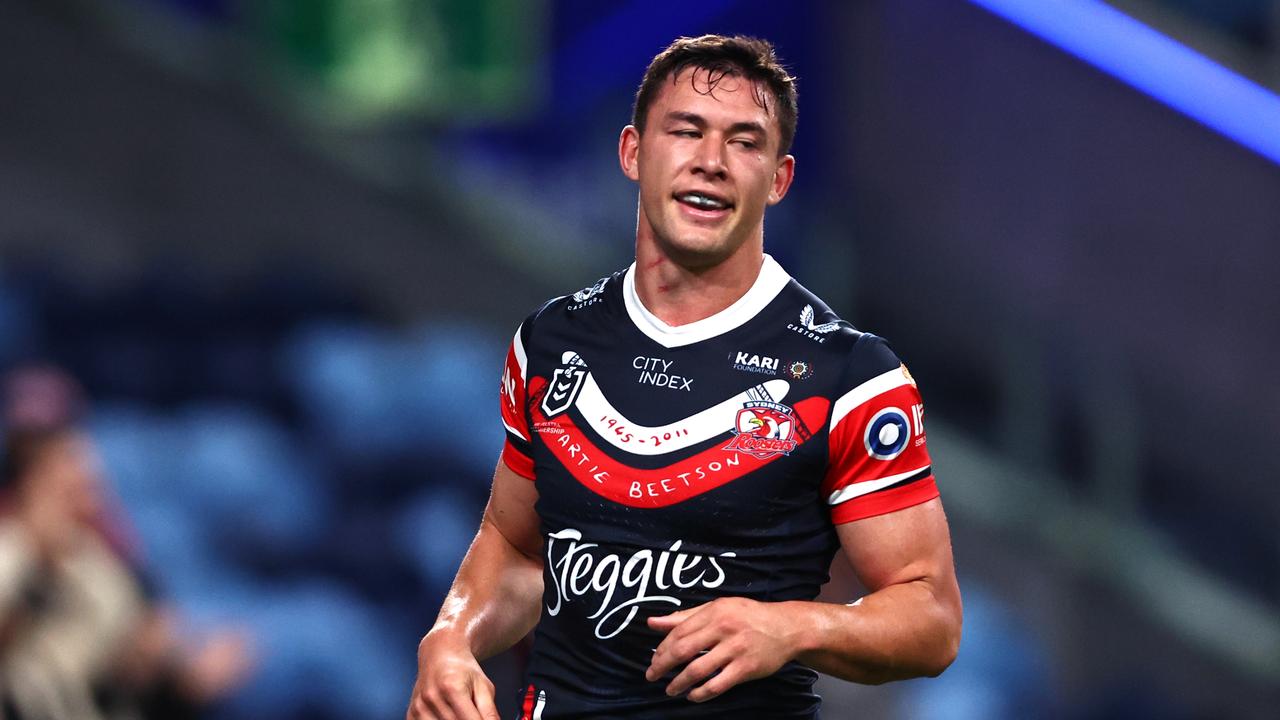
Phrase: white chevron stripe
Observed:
(689, 431)
(858, 489)
(882, 383)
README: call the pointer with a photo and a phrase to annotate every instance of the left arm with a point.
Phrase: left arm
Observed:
(908, 626)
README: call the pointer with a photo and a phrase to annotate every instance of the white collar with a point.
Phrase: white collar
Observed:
(768, 284)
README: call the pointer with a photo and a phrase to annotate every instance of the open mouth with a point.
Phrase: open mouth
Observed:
(703, 201)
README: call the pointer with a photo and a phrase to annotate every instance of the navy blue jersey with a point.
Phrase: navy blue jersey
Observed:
(676, 465)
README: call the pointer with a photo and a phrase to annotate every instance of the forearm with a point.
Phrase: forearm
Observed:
(901, 631)
(495, 599)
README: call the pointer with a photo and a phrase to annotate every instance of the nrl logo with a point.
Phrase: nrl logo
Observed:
(763, 430)
(565, 384)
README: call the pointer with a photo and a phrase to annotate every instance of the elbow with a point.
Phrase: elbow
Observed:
(929, 661)
(944, 658)
(948, 647)
(930, 666)
(943, 644)
(949, 619)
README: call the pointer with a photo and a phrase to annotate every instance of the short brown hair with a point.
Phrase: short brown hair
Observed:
(722, 56)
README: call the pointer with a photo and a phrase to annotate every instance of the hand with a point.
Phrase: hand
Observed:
(742, 639)
(220, 664)
(450, 684)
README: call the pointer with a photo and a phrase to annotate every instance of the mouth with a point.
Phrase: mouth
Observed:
(704, 203)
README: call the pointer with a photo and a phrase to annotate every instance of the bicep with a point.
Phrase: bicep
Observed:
(903, 546)
(511, 510)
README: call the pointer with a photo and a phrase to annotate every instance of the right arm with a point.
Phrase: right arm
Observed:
(495, 600)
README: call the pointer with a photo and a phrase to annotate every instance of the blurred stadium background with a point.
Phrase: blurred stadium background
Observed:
(283, 243)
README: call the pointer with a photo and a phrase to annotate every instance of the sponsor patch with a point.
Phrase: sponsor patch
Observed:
(657, 371)
(619, 585)
(547, 427)
(755, 363)
(589, 296)
(799, 370)
(887, 434)
(808, 328)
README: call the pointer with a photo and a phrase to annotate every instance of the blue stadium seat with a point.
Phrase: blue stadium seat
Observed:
(241, 470)
(450, 386)
(346, 385)
(371, 392)
(320, 640)
(434, 531)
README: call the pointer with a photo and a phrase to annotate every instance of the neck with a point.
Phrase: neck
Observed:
(679, 295)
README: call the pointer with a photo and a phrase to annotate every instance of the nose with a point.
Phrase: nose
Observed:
(709, 159)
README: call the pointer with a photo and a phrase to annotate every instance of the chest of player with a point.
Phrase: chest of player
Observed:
(689, 442)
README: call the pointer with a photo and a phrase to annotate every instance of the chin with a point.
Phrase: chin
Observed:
(698, 252)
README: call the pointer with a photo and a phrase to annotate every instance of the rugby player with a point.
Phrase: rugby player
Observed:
(689, 443)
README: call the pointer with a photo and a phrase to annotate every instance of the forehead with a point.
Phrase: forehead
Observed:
(716, 96)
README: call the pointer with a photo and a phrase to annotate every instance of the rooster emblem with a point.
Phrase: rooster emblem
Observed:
(766, 423)
(763, 430)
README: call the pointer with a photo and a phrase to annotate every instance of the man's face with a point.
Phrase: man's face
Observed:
(707, 165)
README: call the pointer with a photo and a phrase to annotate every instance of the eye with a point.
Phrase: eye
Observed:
(746, 144)
(685, 133)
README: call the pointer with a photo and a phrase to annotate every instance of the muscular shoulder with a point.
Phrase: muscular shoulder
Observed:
(858, 355)
(589, 305)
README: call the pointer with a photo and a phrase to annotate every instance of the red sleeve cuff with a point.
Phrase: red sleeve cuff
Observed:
(885, 501)
(519, 463)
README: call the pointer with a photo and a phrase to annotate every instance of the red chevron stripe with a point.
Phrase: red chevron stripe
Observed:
(665, 486)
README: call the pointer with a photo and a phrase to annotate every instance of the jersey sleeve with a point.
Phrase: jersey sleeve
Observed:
(517, 451)
(878, 460)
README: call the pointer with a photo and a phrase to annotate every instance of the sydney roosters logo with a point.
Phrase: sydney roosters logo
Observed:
(763, 430)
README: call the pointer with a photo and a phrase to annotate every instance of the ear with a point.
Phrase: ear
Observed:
(782, 177)
(629, 152)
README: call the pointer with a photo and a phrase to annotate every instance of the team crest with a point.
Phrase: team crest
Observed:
(565, 385)
(763, 430)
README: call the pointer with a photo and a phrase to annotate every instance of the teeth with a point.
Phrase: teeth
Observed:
(701, 200)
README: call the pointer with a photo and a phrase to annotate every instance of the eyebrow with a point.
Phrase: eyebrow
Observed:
(701, 123)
